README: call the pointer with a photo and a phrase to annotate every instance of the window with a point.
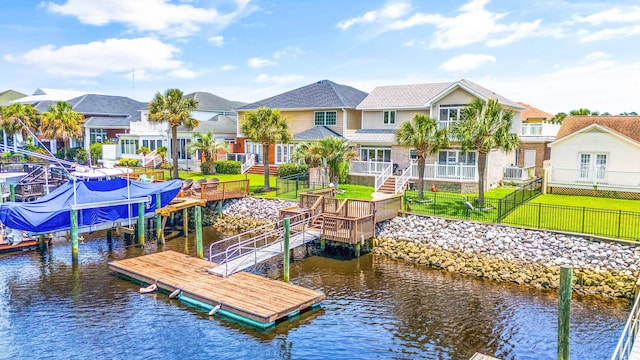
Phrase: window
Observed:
(152, 144)
(456, 157)
(593, 167)
(325, 118)
(449, 114)
(128, 146)
(183, 154)
(375, 154)
(413, 154)
(97, 136)
(283, 153)
(389, 117)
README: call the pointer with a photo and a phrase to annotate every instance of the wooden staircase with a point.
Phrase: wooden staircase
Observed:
(258, 169)
(389, 186)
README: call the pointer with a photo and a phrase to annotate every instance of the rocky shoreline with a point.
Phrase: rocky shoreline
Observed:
(500, 253)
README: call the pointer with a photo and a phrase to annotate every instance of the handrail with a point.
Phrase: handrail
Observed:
(249, 161)
(384, 175)
(629, 333)
(403, 179)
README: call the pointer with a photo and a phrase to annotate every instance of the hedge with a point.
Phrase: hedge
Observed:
(285, 170)
(228, 167)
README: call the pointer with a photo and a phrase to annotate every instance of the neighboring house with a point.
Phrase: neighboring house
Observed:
(388, 106)
(596, 153)
(210, 105)
(313, 112)
(536, 133)
(8, 96)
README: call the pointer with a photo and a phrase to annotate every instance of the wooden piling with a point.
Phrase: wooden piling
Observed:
(198, 215)
(185, 221)
(12, 192)
(564, 311)
(141, 223)
(74, 235)
(323, 244)
(109, 234)
(357, 249)
(159, 236)
(287, 235)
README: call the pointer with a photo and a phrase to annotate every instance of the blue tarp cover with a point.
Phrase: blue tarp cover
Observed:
(52, 212)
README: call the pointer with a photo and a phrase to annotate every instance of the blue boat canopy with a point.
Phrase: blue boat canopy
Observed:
(52, 212)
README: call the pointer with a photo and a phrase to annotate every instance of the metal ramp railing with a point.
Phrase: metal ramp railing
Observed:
(237, 253)
(624, 349)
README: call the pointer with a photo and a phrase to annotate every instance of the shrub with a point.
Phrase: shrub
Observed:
(166, 166)
(80, 156)
(285, 170)
(60, 154)
(343, 173)
(95, 150)
(127, 162)
(228, 167)
(207, 168)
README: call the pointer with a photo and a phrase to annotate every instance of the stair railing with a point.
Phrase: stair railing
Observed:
(384, 176)
(403, 179)
(249, 161)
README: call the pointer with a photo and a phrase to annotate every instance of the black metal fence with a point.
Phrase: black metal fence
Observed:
(518, 197)
(292, 186)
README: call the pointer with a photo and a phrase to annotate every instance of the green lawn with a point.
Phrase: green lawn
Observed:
(588, 201)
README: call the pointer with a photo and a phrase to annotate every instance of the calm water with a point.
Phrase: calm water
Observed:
(375, 309)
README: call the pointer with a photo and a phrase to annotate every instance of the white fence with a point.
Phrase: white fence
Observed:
(595, 177)
(382, 177)
(368, 167)
(446, 172)
(514, 173)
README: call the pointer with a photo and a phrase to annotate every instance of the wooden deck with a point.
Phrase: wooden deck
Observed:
(180, 203)
(245, 297)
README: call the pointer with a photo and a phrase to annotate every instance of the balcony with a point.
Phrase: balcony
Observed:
(145, 127)
(368, 167)
(594, 178)
(517, 174)
(455, 172)
(539, 129)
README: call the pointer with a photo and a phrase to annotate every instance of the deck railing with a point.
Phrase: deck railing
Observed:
(515, 173)
(446, 172)
(348, 230)
(383, 176)
(368, 167)
(249, 161)
(212, 191)
(629, 333)
(403, 179)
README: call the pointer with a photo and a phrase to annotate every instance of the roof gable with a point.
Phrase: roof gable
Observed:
(319, 95)
(110, 105)
(626, 128)
(9, 95)
(210, 102)
(533, 113)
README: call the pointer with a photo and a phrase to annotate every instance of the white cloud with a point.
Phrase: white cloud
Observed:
(217, 40)
(289, 51)
(608, 34)
(285, 79)
(257, 62)
(100, 57)
(615, 15)
(184, 73)
(414, 42)
(391, 11)
(228, 67)
(596, 56)
(175, 20)
(466, 62)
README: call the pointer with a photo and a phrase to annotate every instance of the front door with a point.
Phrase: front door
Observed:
(592, 167)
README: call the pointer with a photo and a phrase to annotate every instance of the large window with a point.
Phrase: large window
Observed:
(283, 153)
(456, 157)
(128, 146)
(183, 154)
(325, 118)
(449, 114)
(389, 117)
(152, 144)
(97, 135)
(593, 167)
(375, 154)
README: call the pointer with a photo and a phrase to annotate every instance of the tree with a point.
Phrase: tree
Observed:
(336, 154)
(209, 146)
(175, 109)
(583, 112)
(559, 118)
(422, 134)
(13, 117)
(307, 152)
(485, 126)
(61, 122)
(267, 127)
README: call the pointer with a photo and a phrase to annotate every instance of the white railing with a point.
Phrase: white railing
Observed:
(146, 127)
(629, 333)
(249, 161)
(152, 158)
(594, 177)
(446, 172)
(539, 129)
(515, 173)
(368, 167)
(383, 176)
(403, 179)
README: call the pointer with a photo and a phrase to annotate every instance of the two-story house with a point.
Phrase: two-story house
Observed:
(388, 106)
(313, 112)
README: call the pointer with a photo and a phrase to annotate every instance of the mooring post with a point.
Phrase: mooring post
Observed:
(198, 215)
(220, 207)
(185, 221)
(159, 236)
(109, 234)
(12, 192)
(41, 241)
(1, 192)
(141, 223)
(323, 244)
(74, 235)
(287, 234)
(564, 311)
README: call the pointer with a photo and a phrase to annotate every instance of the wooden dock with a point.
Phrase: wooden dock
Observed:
(245, 297)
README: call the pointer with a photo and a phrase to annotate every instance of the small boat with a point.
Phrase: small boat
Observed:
(17, 241)
(148, 289)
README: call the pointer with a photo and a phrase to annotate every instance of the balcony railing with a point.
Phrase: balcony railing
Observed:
(446, 172)
(518, 174)
(142, 127)
(594, 177)
(539, 129)
(369, 167)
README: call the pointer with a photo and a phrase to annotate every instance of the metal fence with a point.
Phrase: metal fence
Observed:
(518, 197)
(292, 186)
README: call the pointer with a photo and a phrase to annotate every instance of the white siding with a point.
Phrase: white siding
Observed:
(373, 119)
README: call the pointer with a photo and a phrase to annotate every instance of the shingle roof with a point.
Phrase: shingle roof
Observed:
(321, 94)
(210, 102)
(221, 124)
(316, 133)
(120, 122)
(628, 126)
(9, 95)
(42, 94)
(93, 104)
(373, 136)
(533, 113)
(421, 95)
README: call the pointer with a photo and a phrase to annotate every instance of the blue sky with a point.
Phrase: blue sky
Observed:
(555, 55)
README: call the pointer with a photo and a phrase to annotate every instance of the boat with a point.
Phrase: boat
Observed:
(12, 241)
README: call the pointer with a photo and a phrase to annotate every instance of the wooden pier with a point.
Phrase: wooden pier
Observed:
(245, 297)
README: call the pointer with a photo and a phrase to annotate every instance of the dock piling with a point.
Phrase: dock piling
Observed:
(12, 192)
(286, 252)
(198, 215)
(564, 311)
(74, 235)
(141, 223)
(185, 221)
(159, 236)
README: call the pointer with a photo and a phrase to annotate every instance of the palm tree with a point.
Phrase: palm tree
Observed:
(307, 152)
(174, 108)
(485, 126)
(267, 127)
(209, 146)
(336, 154)
(423, 134)
(18, 118)
(61, 122)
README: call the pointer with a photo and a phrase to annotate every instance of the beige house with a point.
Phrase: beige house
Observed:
(388, 106)
(596, 153)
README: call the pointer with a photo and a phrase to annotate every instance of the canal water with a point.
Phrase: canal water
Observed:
(376, 308)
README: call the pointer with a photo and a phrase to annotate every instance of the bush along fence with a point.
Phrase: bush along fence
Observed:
(517, 210)
(290, 187)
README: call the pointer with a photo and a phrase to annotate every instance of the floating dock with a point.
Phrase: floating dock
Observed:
(245, 297)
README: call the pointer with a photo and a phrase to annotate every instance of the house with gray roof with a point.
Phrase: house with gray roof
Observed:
(8, 96)
(313, 112)
(389, 106)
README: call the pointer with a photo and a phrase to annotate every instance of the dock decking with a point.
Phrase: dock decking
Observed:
(245, 297)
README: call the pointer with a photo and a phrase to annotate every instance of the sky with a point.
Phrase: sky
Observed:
(554, 55)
